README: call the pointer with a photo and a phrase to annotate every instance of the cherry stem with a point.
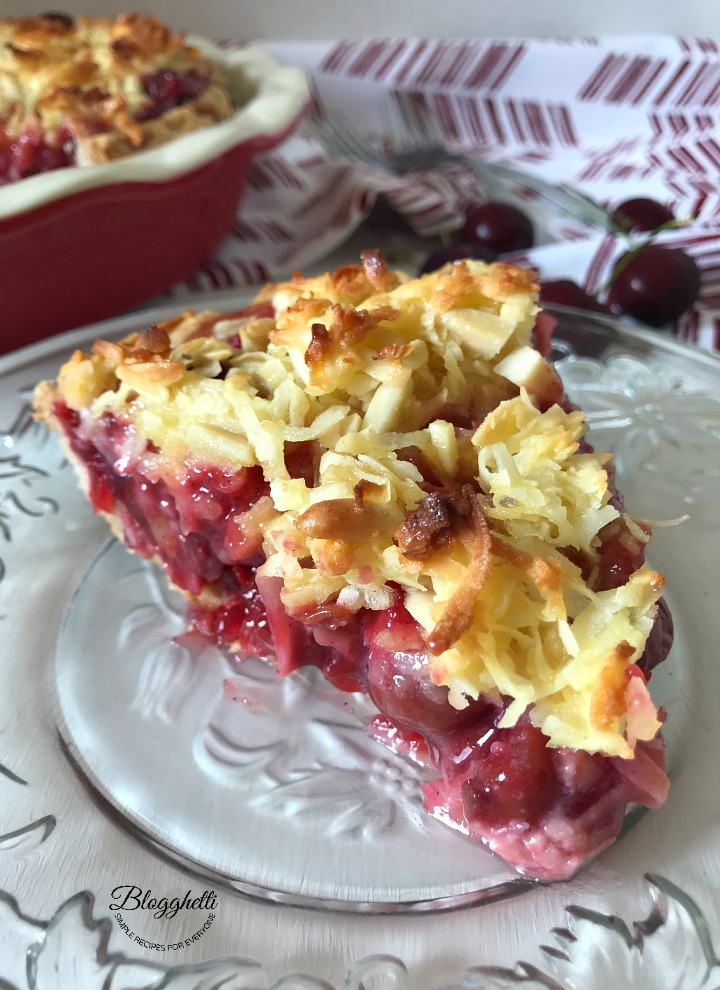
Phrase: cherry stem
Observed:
(635, 249)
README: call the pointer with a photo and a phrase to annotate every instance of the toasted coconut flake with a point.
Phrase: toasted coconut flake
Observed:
(608, 701)
(339, 340)
(154, 340)
(108, 350)
(458, 614)
(392, 352)
(151, 373)
(650, 524)
(377, 272)
(319, 345)
(364, 488)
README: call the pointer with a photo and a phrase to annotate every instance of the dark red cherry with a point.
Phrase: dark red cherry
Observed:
(455, 252)
(565, 292)
(59, 17)
(657, 285)
(659, 641)
(399, 682)
(641, 214)
(168, 89)
(498, 226)
(515, 779)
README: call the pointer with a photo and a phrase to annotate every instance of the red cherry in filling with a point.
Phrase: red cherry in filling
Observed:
(565, 292)
(514, 781)
(500, 227)
(398, 677)
(399, 685)
(640, 214)
(659, 641)
(168, 89)
(657, 285)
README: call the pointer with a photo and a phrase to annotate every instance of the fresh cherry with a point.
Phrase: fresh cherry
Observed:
(500, 227)
(455, 252)
(640, 214)
(565, 292)
(656, 285)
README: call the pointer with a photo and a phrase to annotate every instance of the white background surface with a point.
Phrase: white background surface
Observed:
(431, 18)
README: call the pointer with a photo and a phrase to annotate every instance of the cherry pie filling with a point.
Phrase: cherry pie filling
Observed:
(545, 810)
(168, 89)
(35, 150)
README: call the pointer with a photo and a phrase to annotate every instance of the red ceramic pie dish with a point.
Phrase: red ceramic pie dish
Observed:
(84, 243)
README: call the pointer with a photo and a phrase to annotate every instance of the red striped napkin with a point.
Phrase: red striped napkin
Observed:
(614, 117)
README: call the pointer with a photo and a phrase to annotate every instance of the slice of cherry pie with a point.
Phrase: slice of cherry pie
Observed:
(383, 478)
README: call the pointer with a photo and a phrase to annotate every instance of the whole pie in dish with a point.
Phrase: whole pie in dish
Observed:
(87, 91)
(383, 477)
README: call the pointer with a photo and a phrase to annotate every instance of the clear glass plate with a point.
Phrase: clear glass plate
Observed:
(148, 781)
(282, 766)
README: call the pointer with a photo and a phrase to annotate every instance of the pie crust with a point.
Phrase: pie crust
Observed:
(383, 477)
(89, 91)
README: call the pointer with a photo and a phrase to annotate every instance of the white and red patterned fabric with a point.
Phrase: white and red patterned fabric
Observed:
(614, 117)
